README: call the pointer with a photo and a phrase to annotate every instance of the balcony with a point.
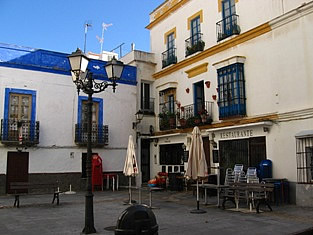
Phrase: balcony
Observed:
(167, 116)
(19, 132)
(99, 135)
(147, 105)
(196, 114)
(169, 57)
(227, 27)
(185, 116)
(194, 44)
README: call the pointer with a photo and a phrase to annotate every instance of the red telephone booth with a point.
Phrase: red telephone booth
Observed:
(97, 173)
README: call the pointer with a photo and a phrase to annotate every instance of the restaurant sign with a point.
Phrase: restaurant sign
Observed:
(236, 134)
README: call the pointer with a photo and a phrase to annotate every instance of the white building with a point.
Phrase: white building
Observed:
(43, 135)
(245, 66)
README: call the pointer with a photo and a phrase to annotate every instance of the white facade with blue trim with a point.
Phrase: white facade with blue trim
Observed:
(36, 87)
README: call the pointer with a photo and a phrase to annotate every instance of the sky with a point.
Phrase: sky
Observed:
(58, 25)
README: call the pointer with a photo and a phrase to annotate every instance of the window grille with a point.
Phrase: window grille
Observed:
(304, 155)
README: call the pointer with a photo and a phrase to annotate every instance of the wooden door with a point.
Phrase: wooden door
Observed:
(17, 169)
(206, 146)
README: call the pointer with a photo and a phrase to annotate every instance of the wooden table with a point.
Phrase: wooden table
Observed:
(218, 188)
(249, 191)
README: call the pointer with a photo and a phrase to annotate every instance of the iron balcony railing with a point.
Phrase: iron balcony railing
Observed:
(196, 114)
(194, 44)
(99, 134)
(199, 113)
(227, 27)
(19, 132)
(147, 105)
(169, 57)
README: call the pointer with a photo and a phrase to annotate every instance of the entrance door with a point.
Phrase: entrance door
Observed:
(17, 169)
(249, 152)
(145, 160)
(206, 146)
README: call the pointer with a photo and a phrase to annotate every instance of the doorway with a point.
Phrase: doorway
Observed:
(17, 169)
(145, 160)
(198, 97)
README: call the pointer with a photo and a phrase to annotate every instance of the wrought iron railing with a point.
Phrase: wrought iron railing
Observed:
(147, 105)
(19, 132)
(169, 57)
(196, 114)
(194, 44)
(99, 134)
(304, 148)
(227, 27)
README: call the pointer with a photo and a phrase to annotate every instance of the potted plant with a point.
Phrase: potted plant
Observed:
(172, 120)
(182, 122)
(204, 115)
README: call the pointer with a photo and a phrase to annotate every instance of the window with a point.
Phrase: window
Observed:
(304, 156)
(228, 26)
(194, 43)
(171, 154)
(169, 56)
(146, 103)
(95, 112)
(19, 115)
(98, 131)
(171, 103)
(195, 30)
(231, 91)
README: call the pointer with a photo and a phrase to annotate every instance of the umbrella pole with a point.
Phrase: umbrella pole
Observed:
(197, 195)
(198, 210)
(130, 190)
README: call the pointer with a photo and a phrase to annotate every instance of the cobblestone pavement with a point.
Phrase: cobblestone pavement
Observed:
(37, 215)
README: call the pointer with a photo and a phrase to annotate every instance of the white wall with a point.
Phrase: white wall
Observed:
(56, 110)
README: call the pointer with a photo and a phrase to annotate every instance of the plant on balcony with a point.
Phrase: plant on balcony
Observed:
(182, 122)
(198, 46)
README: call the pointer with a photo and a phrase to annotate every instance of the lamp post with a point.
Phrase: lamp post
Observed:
(83, 79)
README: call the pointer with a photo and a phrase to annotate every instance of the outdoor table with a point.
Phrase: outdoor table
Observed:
(211, 186)
(152, 189)
(112, 176)
(130, 201)
(251, 191)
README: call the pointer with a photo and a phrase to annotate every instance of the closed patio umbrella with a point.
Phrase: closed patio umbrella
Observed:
(130, 166)
(197, 167)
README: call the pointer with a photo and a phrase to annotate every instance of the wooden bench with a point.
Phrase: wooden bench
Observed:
(251, 192)
(34, 188)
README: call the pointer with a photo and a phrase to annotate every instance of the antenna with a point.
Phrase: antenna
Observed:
(86, 26)
(104, 27)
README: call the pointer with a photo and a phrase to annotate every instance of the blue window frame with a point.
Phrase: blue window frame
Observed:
(231, 91)
(97, 133)
(195, 30)
(32, 105)
(98, 103)
(228, 10)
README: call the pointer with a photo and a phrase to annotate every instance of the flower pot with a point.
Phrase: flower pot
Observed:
(208, 84)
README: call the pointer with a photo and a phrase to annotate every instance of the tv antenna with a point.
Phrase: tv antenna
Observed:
(86, 26)
(104, 27)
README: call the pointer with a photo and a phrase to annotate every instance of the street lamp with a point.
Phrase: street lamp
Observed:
(83, 79)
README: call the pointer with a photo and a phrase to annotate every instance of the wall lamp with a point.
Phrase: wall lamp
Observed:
(156, 141)
(139, 116)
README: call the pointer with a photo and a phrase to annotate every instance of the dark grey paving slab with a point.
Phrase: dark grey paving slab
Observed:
(38, 216)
